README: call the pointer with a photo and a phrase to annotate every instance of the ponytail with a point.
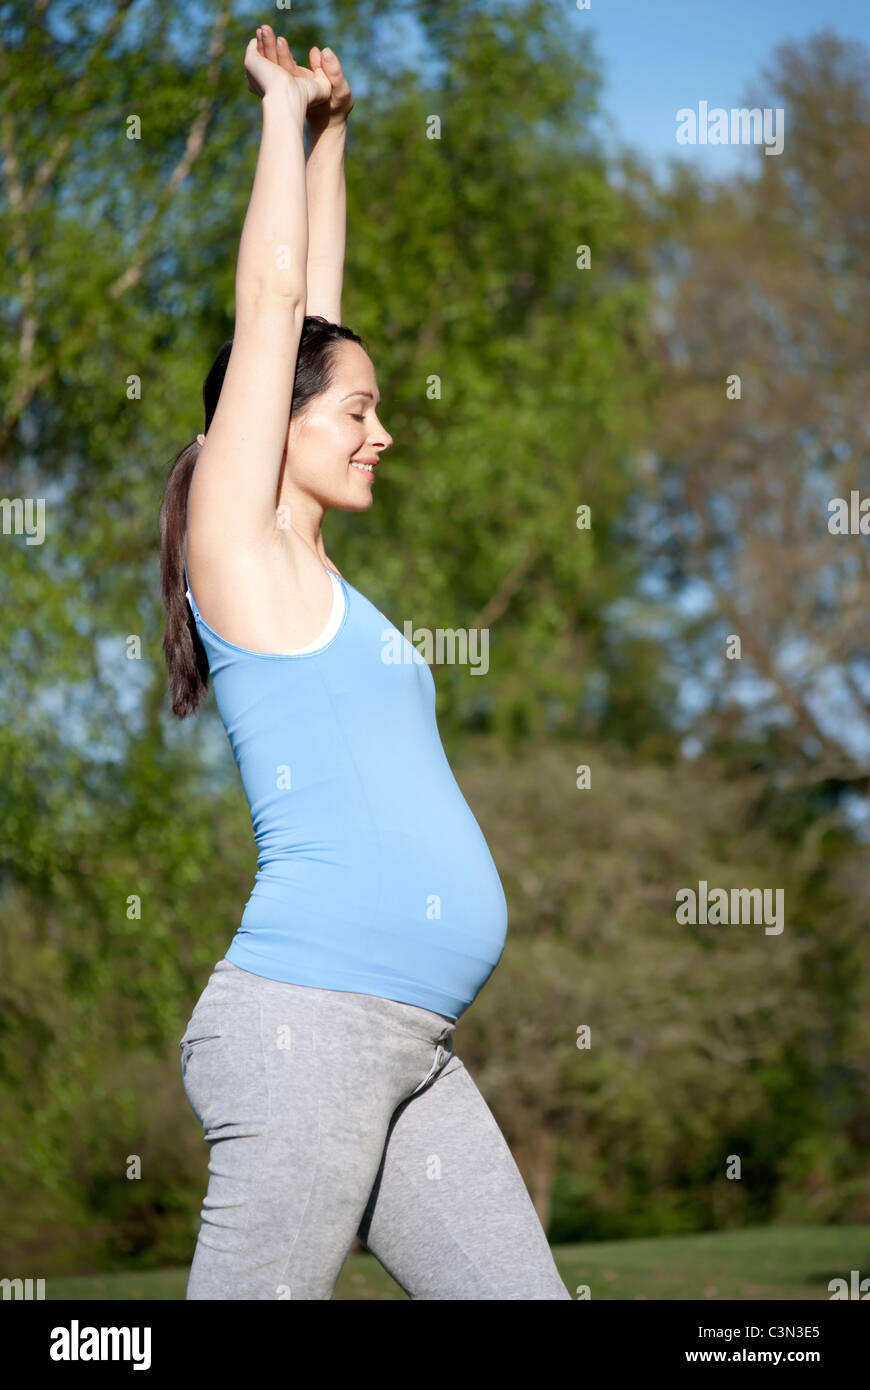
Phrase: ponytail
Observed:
(186, 659)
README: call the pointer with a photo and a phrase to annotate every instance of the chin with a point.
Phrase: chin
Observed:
(356, 504)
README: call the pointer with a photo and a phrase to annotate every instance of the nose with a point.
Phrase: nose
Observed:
(384, 438)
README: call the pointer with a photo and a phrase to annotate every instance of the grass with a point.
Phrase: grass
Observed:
(761, 1263)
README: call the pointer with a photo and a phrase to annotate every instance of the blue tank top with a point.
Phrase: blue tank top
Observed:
(373, 875)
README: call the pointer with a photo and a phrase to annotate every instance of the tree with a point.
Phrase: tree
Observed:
(129, 143)
(761, 424)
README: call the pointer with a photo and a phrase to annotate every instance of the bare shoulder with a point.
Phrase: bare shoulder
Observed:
(271, 598)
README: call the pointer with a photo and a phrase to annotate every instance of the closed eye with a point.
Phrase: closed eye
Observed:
(358, 417)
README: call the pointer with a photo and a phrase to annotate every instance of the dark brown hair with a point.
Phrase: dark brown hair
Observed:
(186, 660)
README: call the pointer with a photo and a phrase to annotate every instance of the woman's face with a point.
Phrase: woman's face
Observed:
(337, 434)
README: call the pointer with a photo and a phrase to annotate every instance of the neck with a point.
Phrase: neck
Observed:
(303, 516)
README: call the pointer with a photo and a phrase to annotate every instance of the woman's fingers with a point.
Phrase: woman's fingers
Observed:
(270, 45)
(333, 69)
(316, 79)
(285, 56)
(280, 52)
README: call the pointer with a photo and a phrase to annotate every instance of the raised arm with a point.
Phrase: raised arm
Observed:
(327, 220)
(324, 174)
(327, 199)
(233, 494)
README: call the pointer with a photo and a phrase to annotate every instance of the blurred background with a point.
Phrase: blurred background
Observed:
(699, 380)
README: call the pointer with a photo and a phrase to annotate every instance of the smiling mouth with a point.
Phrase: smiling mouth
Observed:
(363, 467)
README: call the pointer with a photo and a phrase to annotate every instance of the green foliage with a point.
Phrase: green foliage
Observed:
(125, 844)
(706, 1041)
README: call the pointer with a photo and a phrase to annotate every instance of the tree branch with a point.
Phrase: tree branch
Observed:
(497, 605)
(761, 658)
(21, 205)
(192, 149)
(78, 100)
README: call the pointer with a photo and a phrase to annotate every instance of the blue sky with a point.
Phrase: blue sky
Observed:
(660, 55)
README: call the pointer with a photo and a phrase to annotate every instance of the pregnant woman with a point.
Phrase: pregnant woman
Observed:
(319, 1056)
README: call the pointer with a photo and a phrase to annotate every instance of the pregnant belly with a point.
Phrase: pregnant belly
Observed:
(399, 887)
(427, 911)
(445, 878)
(450, 878)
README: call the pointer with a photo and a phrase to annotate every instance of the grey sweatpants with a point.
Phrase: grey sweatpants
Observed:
(329, 1114)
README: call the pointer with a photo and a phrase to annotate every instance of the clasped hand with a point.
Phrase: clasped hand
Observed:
(270, 65)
